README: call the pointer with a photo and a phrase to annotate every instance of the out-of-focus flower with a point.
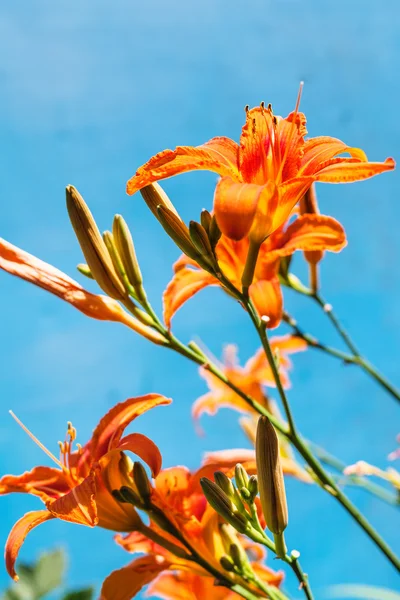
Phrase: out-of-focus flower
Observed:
(307, 232)
(97, 306)
(396, 453)
(264, 176)
(79, 489)
(362, 469)
(177, 494)
(251, 379)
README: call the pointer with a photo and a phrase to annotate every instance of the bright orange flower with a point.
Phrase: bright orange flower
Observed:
(307, 232)
(32, 269)
(177, 493)
(79, 490)
(266, 175)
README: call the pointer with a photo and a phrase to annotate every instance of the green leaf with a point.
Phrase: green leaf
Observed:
(83, 594)
(362, 592)
(49, 571)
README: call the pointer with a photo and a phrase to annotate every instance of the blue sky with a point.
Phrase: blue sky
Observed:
(88, 92)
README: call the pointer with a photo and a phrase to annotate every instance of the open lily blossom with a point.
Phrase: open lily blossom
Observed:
(176, 493)
(266, 174)
(307, 232)
(252, 378)
(97, 306)
(79, 488)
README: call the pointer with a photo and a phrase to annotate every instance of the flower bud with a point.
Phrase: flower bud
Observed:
(270, 477)
(142, 482)
(227, 563)
(93, 246)
(241, 477)
(214, 232)
(223, 505)
(200, 240)
(177, 230)
(84, 270)
(227, 486)
(253, 486)
(205, 220)
(154, 196)
(126, 249)
(130, 496)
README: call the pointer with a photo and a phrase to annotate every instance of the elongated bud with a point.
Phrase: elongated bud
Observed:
(84, 270)
(177, 230)
(93, 246)
(130, 496)
(155, 196)
(253, 486)
(109, 241)
(239, 556)
(142, 482)
(241, 477)
(270, 477)
(223, 505)
(126, 249)
(205, 220)
(214, 232)
(227, 486)
(200, 240)
(227, 563)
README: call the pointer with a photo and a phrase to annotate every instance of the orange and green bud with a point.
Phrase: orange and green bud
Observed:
(93, 246)
(154, 196)
(270, 478)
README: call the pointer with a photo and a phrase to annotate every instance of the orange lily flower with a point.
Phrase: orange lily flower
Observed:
(26, 266)
(264, 176)
(251, 378)
(79, 490)
(177, 493)
(308, 232)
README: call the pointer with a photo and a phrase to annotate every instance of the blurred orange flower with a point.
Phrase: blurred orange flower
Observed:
(97, 306)
(307, 232)
(266, 175)
(79, 490)
(177, 493)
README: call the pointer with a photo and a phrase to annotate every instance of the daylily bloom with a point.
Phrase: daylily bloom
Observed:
(307, 232)
(264, 176)
(79, 490)
(177, 493)
(251, 379)
(32, 269)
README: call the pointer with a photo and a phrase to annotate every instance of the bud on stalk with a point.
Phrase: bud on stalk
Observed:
(223, 505)
(142, 483)
(270, 482)
(154, 196)
(177, 230)
(126, 249)
(93, 246)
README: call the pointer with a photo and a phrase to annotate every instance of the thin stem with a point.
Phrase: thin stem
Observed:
(327, 308)
(324, 477)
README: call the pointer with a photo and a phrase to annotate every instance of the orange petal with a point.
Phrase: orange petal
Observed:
(145, 448)
(290, 193)
(18, 534)
(348, 170)
(78, 506)
(184, 284)
(218, 155)
(254, 145)
(125, 583)
(288, 344)
(267, 298)
(44, 482)
(267, 575)
(319, 150)
(312, 232)
(235, 206)
(174, 586)
(290, 133)
(111, 427)
(28, 267)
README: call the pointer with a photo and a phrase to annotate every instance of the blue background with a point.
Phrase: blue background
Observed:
(90, 90)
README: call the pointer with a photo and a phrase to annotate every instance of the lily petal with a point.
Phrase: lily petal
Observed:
(125, 583)
(145, 448)
(18, 534)
(44, 482)
(78, 506)
(268, 300)
(311, 232)
(26, 266)
(319, 150)
(111, 427)
(183, 286)
(218, 155)
(290, 193)
(347, 170)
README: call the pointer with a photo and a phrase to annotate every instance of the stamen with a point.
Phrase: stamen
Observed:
(292, 129)
(34, 438)
(246, 109)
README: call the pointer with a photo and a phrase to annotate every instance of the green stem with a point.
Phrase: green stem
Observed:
(324, 477)
(327, 308)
